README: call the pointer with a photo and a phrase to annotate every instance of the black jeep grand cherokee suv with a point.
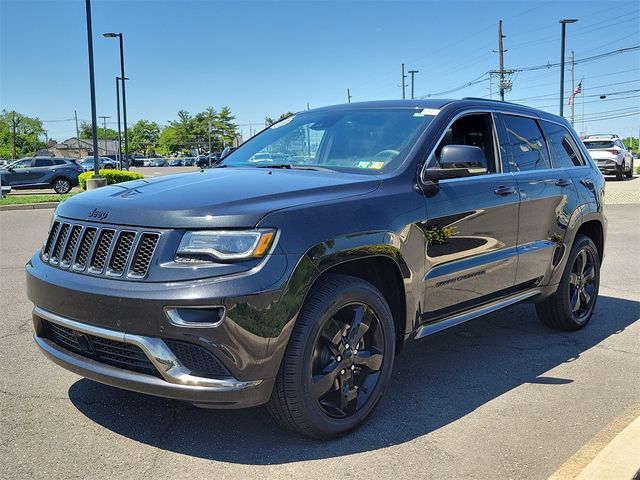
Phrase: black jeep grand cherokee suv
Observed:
(296, 284)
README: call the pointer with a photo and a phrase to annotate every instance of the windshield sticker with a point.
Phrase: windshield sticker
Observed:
(371, 165)
(427, 111)
(282, 123)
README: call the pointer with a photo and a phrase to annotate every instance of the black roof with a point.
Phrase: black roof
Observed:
(438, 103)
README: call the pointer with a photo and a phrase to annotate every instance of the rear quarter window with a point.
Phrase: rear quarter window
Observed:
(563, 150)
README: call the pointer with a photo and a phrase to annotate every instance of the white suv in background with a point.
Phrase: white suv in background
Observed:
(610, 154)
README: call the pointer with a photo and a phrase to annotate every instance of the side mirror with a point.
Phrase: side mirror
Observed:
(459, 161)
(11, 169)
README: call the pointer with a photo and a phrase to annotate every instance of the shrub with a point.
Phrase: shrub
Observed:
(638, 169)
(112, 176)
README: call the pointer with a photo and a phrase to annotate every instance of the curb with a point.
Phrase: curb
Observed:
(29, 206)
(619, 459)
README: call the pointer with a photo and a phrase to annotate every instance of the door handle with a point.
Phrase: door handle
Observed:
(563, 182)
(504, 191)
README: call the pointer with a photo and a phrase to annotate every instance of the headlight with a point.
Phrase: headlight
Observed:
(226, 244)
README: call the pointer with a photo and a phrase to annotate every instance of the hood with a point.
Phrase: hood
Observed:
(221, 197)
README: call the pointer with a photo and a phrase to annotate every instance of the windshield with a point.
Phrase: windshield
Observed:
(599, 145)
(365, 141)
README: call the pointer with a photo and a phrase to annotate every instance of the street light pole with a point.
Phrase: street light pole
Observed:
(563, 22)
(119, 157)
(92, 87)
(124, 96)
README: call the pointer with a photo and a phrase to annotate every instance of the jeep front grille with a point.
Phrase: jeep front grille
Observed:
(107, 251)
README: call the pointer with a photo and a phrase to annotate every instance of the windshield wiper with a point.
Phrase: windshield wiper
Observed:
(289, 166)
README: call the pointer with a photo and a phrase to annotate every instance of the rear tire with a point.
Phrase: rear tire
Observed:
(629, 173)
(61, 185)
(332, 375)
(571, 306)
(619, 172)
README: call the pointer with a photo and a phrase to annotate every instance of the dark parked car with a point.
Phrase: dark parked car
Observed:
(296, 284)
(188, 161)
(203, 161)
(61, 174)
(176, 163)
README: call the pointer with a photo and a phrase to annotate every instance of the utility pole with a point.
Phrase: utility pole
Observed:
(13, 134)
(46, 140)
(501, 55)
(348, 98)
(573, 88)
(413, 73)
(403, 84)
(104, 119)
(75, 114)
(490, 85)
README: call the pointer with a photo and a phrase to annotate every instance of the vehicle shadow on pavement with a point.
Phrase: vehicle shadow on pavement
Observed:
(436, 381)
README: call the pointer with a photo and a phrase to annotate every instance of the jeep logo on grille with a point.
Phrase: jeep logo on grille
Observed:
(99, 214)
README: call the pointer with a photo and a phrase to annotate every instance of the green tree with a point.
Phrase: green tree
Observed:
(28, 134)
(142, 135)
(169, 141)
(86, 132)
(270, 121)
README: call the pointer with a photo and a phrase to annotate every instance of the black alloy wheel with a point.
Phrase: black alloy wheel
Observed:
(347, 359)
(582, 284)
(338, 360)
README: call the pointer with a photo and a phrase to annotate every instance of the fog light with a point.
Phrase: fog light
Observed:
(196, 317)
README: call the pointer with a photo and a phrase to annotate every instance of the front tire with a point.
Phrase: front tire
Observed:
(61, 185)
(571, 306)
(338, 361)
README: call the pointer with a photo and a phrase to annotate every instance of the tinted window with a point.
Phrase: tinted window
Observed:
(562, 146)
(43, 162)
(59, 162)
(475, 130)
(525, 144)
(598, 144)
(363, 140)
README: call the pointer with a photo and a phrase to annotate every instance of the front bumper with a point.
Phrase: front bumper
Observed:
(177, 382)
(248, 343)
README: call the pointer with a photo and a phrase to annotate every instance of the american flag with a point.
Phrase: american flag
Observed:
(575, 92)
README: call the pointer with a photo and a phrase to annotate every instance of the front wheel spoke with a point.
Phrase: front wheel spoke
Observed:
(589, 274)
(325, 381)
(585, 296)
(353, 336)
(575, 301)
(583, 261)
(573, 278)
(332, 342)
(369, 359)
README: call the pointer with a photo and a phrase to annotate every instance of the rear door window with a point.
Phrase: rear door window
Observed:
(42, 162)
(563, 150)
(525, 144)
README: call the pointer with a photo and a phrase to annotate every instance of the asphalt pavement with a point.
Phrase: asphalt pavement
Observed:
(499, 397)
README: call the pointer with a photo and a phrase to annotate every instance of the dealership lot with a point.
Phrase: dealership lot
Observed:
(500, 397)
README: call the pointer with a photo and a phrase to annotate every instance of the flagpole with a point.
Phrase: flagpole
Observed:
(583, 130)
(573, 88)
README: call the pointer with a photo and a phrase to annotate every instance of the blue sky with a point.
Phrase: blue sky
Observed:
(264, 58)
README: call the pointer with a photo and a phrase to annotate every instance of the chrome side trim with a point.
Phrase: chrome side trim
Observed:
(159, 354)
(454, 320)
